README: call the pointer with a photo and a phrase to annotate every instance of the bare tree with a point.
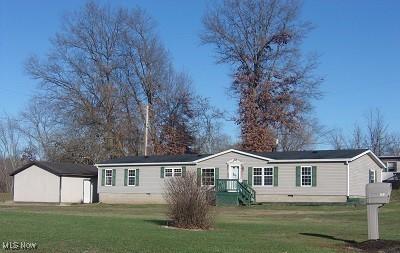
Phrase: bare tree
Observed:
(357, 140)
(377, 137)
(337, 139)
(261, 39)
(304, 138)
(208, 127)
(10, 151)
(104, 67)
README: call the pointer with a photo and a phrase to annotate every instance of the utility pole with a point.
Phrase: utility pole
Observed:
(146, 130)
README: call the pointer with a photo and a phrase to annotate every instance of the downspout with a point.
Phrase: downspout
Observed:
(59, 192)
(348, 179)
(13, 186)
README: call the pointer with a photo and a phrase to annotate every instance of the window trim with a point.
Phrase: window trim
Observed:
(127, 178)
(201, 176)
(105, 177)
(263, 176)
(387, 166)
(374, 176)
(301, 175)
(173, 171)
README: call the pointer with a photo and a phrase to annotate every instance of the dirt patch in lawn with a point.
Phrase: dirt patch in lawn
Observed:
(376, 246)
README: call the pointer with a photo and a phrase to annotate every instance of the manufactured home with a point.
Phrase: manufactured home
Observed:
(240, 177)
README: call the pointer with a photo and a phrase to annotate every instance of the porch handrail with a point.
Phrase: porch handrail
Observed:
(233, 185)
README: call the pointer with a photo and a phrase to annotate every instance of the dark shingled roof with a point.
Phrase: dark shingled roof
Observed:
(156, 159)
(308, 155)
(291, 155)
(62, 169)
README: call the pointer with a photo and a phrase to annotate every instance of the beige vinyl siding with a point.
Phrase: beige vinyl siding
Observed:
(331, 177)
(150, 181)
(36, 185)
(359, 174)
(331, 180)
(222, 160)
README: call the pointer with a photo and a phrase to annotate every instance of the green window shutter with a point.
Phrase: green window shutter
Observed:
(298, 180)
(199, 176)
(137, 177)
(183, 171)
(275, 176)
(126, 177)
(103, 177)
(113, 177)
(216, 173)
(162, 172)
(314, 176)
(250, 176)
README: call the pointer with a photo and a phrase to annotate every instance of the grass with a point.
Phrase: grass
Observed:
(139, 228)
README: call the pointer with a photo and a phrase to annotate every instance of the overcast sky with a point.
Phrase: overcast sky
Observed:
(358, 41)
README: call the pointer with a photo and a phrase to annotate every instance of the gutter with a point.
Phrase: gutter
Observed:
(142, 164)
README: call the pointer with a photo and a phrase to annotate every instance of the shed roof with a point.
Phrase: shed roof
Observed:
(61, 169)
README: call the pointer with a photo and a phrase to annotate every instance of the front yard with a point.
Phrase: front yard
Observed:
(127, 228)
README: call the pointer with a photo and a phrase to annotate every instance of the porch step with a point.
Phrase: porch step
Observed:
(232, 192)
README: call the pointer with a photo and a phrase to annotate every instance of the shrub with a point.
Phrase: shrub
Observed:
(188, 203)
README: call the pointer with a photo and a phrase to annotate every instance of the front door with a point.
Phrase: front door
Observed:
(87, 192)
(233, 174)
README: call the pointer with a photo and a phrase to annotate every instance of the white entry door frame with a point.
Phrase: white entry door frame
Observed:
(87, 191)
(235, 169)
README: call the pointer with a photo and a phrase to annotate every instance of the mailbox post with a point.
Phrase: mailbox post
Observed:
(377, 194)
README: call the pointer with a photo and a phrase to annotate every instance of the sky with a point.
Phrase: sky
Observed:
(358, 43)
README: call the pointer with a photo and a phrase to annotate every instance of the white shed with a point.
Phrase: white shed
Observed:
(55, 183)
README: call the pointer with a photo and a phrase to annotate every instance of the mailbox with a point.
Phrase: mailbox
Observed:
(378, 193)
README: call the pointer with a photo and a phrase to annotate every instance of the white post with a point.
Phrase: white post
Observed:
(146, 130)
(373, 221)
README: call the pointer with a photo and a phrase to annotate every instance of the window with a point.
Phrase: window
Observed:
(208, 176)
(257, 176)
(131, 177)
(173, 172)
(391, 166)
(372, 176)
(306, 176)
(268, 176)
(108, 177)
(263, 176)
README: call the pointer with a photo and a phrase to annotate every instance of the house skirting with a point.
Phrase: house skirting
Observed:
(156, 198)
(131, 198)
(300, 198)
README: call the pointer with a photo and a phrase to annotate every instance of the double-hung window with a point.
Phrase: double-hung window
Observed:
(391, 166)
(173, 172)
(108, 177)
(131, 177)
(208, 176)
(372, 176)
(263, 176)
(306, 176)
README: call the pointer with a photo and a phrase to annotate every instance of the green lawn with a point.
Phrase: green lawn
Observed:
(128, 228)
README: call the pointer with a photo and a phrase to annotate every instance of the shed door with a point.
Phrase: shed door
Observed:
(87, 193)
